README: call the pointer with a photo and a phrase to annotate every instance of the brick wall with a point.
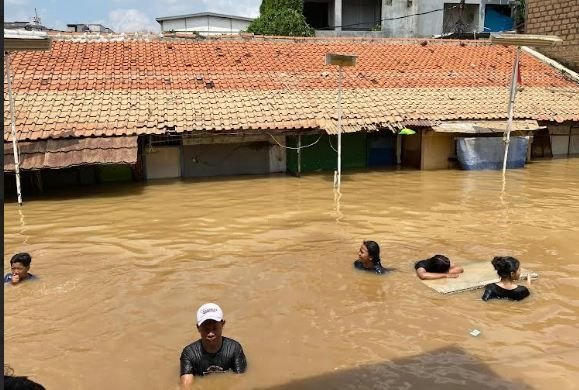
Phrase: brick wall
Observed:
(556, 17)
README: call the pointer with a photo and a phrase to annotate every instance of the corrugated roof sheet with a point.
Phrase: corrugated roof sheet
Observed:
(63, 153)
(120, 86)
(482, 127)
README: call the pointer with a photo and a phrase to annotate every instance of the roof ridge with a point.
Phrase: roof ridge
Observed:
(245, 37)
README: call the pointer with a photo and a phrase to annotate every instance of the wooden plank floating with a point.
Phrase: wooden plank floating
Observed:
(475, 276)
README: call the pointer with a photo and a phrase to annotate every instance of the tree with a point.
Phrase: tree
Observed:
(273, 5)
(281, 17)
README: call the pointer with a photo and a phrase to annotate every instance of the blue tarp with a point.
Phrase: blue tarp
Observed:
(496, 21)
(488, 152)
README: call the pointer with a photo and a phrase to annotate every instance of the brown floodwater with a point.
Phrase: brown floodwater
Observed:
(123, 269)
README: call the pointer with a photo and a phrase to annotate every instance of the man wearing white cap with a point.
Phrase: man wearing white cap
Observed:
(212, 352)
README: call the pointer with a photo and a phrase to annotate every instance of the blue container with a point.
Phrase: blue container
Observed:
(488, 152)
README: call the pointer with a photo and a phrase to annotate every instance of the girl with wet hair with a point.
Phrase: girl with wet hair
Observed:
(509, 271)
(437, 267)
(369, 258)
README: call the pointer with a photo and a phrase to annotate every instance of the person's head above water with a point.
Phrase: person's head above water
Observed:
(439, 263)
(20, 265)
(210, 326)
(507, 267)
(369, 252)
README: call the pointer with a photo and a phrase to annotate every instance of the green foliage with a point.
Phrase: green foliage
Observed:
(283, 22)
(275, 5)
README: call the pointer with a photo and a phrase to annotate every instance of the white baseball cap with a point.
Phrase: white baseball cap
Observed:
(209, 311)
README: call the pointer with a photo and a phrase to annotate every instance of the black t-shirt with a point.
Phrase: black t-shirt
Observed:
(377, 268)
(427, 266)
(494, 291)
(195, 360)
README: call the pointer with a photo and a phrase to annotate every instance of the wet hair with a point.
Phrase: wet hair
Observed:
(438, 264)
(21, 383)
(12, 382)
(505, 265)
(373, 251)
(23, 258)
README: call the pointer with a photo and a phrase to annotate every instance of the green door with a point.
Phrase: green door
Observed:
(323, 157)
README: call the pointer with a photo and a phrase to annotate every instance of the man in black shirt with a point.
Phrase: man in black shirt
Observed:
(212, 352)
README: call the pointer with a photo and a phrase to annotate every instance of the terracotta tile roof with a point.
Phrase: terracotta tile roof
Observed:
(85, 88)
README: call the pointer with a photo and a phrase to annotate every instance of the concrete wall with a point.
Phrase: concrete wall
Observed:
(206, 25)
(436, 149)
(225, 159)
(556, 17)
(162, 162)
(352, 11)
(232, 155)
(564, 140)
(277, 156)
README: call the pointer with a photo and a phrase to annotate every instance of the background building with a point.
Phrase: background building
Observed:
(205, 23)
(81, 27)
(370, 17)
(556, 17)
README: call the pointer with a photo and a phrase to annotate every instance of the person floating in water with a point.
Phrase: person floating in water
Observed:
(212, 353)
(20, 265)
(437, 267)
(509, 271)
(369, 258)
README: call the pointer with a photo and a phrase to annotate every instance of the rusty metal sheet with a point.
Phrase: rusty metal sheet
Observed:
(482, 127)
(63, 153)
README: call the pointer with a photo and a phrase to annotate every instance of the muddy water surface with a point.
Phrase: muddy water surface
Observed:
(124, 268)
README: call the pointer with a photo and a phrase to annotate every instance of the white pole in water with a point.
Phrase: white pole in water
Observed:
(512, 95)
(339, 178)
(13, 126)
(340, 60)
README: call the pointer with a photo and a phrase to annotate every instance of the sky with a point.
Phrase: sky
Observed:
(120, 15)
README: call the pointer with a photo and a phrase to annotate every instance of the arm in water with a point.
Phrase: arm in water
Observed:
(455, 269)
(239, 362)
(186, 381)
(422, 274)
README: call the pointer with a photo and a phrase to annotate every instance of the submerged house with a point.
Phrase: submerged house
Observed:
(121, 107)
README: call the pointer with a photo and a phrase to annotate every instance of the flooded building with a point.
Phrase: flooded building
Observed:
(106, 108)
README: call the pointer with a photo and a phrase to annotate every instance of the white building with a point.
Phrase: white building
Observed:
(407, 18)
(205, 23)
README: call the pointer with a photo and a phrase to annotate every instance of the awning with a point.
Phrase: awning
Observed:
(64, 153)
(485, 127)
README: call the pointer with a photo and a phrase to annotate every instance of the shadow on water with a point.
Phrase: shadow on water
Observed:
(107, 190)
(443, 369)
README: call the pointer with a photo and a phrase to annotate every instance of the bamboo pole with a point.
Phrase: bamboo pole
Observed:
(511, 107)
(13, 126)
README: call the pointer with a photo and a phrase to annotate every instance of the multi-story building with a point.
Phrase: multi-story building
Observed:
(407, 18)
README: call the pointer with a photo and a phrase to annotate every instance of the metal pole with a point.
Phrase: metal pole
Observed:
(513, 94)
(299, 155)
(339, 179)
(13, 125)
